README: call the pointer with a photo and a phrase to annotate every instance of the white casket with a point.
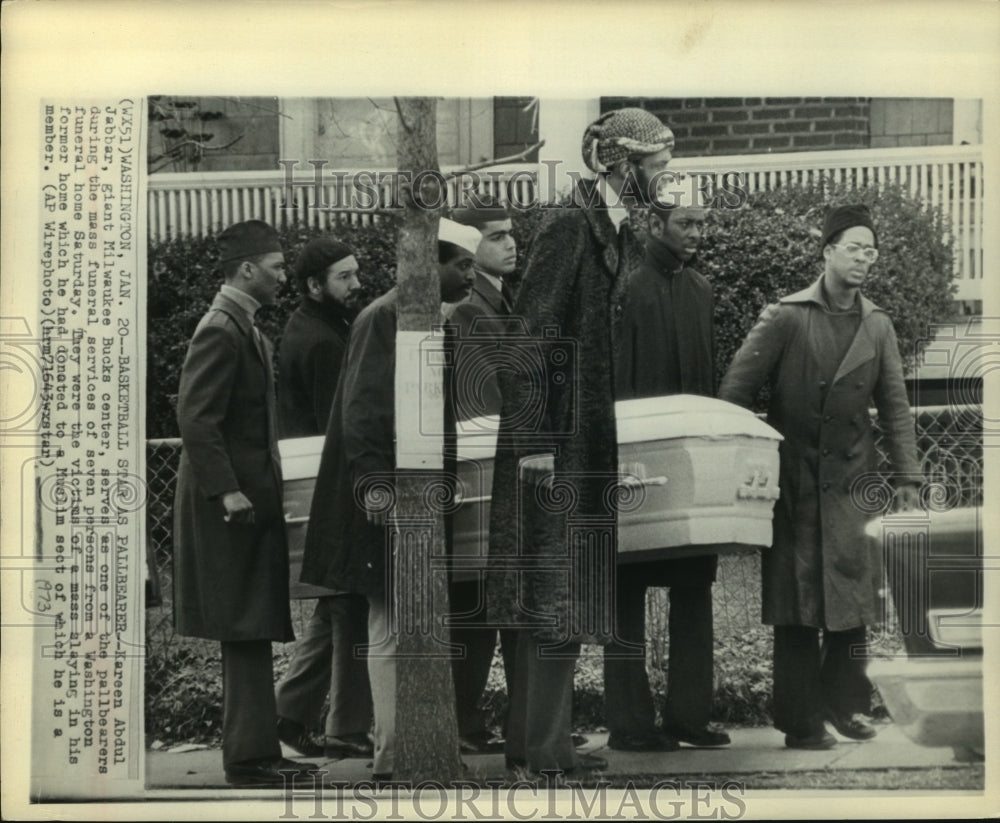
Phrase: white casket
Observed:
(299, 467)
(703, 472)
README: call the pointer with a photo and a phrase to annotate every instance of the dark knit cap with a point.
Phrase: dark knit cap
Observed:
(316, 257)
(248, 239)
(845, 217)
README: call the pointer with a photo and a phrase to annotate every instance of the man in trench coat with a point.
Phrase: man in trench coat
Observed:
(230, 554)
(828, 352)
(551, 575)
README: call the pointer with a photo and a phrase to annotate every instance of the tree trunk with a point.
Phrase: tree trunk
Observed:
(426, 727)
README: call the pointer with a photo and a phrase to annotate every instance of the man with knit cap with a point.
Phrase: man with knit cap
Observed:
(309, 364)
(558, 396)
(829, 354)
(230, 552)
(348, 540)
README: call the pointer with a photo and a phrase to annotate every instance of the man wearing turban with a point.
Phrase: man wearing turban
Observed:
(551, 572)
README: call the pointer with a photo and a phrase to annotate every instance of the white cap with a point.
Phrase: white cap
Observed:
(467, 237)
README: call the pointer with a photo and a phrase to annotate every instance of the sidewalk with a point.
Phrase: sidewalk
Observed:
(752, 750)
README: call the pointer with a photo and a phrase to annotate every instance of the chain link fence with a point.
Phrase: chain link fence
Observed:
(949, 442)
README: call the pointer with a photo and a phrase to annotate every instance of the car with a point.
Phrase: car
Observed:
(934, 568)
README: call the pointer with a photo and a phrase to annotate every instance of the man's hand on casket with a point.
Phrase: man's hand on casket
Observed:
(538, 470)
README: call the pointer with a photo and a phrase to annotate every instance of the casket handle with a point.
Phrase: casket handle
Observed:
(631, 480)
(295, 521)
(460, 499)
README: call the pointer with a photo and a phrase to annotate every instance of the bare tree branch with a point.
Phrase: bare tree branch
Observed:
(407, 127)
(498, 161)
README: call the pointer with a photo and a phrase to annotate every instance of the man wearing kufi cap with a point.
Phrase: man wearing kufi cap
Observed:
(667, 348)
(829, 354)
(230, 552)
(558, 396)
(347, 540)
(324, 660)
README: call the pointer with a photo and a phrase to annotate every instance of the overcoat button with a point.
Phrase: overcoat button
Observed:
(826, 487)
(826, 452)
(822, 384)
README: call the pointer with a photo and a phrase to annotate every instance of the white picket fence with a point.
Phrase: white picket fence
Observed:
(195, 204)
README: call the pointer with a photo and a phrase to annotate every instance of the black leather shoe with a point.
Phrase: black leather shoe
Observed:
(652, 742)
(268, 772)
(816, 742)
(350, 745)
(707, 736)
(297, 737)
(854, 726)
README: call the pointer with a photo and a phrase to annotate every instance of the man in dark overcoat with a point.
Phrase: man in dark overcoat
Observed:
(324, 660)
(230, 553)
(348, 535)
(667, 348)
(827, 352)
(551, 573)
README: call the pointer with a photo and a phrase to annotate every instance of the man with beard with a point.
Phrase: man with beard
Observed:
(829, 354)
(347, 544)
(667, 348)
(309, 365)
(551, 577)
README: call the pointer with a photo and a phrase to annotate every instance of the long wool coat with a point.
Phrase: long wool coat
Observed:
(553, 570)
(230, 580)
(820, 570)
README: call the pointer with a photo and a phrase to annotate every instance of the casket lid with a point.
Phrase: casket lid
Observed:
(300, 456)
(686, 415)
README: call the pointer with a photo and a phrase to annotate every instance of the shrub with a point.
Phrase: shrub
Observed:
(770, 248)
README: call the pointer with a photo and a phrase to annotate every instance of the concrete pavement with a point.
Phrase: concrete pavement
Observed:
(753, 750)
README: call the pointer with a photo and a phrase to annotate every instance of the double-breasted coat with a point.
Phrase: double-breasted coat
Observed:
(553, 571)
(820, 570)
(230, 579)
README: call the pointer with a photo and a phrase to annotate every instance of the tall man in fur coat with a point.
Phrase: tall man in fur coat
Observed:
(827, 351)
(550, 574)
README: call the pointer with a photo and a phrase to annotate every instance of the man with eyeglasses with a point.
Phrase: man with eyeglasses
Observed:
(829, 353)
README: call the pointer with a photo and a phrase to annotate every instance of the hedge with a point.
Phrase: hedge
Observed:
(753, 255)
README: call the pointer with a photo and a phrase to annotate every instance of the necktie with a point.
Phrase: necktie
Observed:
(507, 296)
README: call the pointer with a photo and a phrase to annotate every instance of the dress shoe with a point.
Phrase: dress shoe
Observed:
(816, 741)
(297, 736)
(854, 726)
(579, 740)
(348, 745)
(709, 735)
(479, 742)
(268, 771)
(650, 742)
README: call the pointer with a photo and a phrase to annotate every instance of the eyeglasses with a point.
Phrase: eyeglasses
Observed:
(870, 254)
